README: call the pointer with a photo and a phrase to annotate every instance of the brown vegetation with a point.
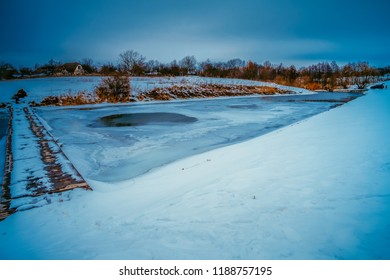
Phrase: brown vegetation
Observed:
(19, 95)
(114, 89)
(81, 98)
(324, 75)
(117, 89)
(206, 90)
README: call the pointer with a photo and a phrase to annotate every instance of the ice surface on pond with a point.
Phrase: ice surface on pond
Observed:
(112, 151)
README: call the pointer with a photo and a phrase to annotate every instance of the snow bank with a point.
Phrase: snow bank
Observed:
(39, 88)
(318, 189)
(142, 84)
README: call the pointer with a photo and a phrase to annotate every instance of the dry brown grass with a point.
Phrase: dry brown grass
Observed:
(183, 91)
(81, 98)
(179, 91)
(313, 86)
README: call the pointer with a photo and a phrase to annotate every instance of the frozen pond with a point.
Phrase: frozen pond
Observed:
(117, 142)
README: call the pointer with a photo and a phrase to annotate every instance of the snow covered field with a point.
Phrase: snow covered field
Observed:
(39, 88)
(316, 189)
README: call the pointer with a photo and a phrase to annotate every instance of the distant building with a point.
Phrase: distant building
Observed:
(79, 70)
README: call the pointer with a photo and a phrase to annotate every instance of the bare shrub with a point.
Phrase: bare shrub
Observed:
(114, 89)
(50, 100)
(20, 94)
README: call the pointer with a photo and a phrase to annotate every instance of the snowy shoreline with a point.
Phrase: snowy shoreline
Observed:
(39, 88)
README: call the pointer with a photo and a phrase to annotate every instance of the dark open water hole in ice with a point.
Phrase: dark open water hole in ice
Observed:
(136, 119)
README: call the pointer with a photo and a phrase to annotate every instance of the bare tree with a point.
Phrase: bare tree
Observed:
(235, 63)
(88, 66)
(174, 68)
(250, 70)
(153, 66)
(87, 61)
(363, 74)
(132, 62)
(188, 64)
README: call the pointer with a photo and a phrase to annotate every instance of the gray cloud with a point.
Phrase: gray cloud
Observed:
(278, 30)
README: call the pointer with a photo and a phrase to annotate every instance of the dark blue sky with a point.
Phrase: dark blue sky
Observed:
(300, 32)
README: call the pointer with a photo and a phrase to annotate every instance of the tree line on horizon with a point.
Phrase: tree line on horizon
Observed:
(323, 75)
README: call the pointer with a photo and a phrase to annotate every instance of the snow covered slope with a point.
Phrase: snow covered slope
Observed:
(39, 88)
(318, 189)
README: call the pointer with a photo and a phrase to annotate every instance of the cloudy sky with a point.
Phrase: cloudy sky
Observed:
(299, 32)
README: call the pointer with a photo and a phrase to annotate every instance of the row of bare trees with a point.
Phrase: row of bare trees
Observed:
(130, 63)
(133, 63)
(324, 75)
